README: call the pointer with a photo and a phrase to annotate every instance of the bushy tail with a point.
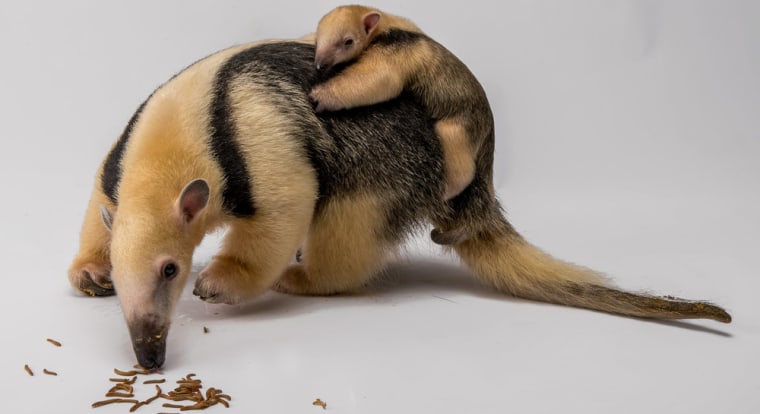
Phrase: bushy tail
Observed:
(504, 260)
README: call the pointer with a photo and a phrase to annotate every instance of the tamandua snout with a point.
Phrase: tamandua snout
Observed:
(233, 141)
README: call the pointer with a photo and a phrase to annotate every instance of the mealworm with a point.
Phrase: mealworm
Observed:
(53, 373)
(155, 397)
(205, 330)
(168, 405)
(115, 400)
(54, 342)
(155, 381)
(122, 387)
(122, 380)
(148, 401)
(28, 370)
(120, 394)
(320, 403)
(211, 393)
(182, 397)
(193, 385)
(201, 405)
(124, 373)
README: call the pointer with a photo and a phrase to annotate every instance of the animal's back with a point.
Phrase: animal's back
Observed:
(388, 150)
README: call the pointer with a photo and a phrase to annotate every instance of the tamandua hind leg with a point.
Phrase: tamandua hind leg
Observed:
(90, 271)
(459, 160)
(459, 167)
(342, 252)
(254, 253)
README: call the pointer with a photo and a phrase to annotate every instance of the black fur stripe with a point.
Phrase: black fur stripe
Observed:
(275, 67)
(111, 175)
(397, 37)
(237, 193)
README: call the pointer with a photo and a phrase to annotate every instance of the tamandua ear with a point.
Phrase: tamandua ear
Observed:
(107, 217)
(193, 199)
(370, 22)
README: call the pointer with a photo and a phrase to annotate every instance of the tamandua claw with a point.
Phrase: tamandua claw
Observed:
(209, 287)
(205, 295)
(322, 100)
(92, 280)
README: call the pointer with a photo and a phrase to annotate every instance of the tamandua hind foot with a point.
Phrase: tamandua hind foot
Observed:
(295, 281)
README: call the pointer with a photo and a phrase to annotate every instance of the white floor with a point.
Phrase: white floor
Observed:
(628, 142)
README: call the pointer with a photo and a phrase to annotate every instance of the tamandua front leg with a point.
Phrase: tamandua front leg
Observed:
(369, 81)
(254, 254)
(90, 273)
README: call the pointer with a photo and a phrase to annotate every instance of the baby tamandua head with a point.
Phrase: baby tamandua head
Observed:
(344, 33)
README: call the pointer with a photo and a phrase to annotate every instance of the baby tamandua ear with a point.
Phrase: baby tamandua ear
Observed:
(370, 21)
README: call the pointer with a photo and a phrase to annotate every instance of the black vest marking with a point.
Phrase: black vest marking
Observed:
(111, 175)
(237, 193)
(272, 67)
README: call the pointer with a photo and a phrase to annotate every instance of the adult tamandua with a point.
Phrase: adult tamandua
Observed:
(233, 141)
(389, 54)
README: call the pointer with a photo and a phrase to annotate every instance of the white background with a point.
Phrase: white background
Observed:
(628, 137)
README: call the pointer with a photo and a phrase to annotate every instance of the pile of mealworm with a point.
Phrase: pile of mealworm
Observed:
(188, 392)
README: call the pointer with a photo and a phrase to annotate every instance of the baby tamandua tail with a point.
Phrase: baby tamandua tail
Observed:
(391, 55)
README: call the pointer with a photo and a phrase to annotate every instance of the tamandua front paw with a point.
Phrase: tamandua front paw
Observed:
(324, 100)
(222, 281)
(91, 277)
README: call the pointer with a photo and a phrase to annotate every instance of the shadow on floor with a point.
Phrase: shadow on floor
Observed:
(400, 283)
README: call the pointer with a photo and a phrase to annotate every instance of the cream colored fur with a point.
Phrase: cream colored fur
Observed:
(165, 141)
(343, 249)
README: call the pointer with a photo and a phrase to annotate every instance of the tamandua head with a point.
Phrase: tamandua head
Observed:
(152, 243)
(343, 34)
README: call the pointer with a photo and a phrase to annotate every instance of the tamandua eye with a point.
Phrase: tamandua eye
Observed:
(348, 42)
(169, 271)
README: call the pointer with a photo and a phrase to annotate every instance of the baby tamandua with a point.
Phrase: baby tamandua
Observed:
(393, 55)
